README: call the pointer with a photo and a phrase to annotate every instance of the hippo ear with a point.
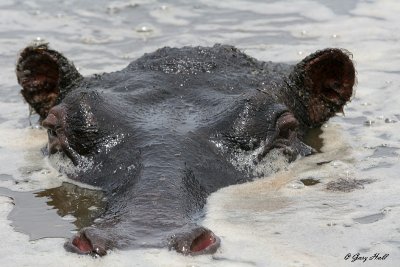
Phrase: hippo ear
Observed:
(45, 76)
(324, 81)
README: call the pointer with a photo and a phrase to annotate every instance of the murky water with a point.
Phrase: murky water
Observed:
(277, 221)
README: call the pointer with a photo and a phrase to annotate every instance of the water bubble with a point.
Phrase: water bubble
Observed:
(369, 123)
(164, 7)
(144, 29)
(38, 41)
(296, 185)
(335, 36)
(303, 32)
(300, 53)
(45, 171)
(387, 120)
(69, 217)
(386, 210)
(87, 40)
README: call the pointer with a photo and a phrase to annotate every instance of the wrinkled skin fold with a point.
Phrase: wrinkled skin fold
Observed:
(159, 136)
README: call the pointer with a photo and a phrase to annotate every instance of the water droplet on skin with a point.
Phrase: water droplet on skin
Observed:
(98, 220)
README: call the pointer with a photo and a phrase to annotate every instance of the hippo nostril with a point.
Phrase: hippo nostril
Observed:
(202, 242)
(206, 243)
(82, 244)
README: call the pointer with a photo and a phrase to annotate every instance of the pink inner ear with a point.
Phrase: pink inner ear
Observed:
(202, 242)
(83, 244)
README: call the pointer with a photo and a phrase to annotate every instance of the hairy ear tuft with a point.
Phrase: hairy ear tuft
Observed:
(325, 82)
(45, 76)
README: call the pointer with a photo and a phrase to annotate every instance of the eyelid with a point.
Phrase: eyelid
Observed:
(50, 122)
(57, 128)
(286, 122)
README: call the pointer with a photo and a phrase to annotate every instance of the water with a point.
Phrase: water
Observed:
(276, 221)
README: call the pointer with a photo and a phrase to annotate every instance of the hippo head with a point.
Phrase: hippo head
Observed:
(158, 137)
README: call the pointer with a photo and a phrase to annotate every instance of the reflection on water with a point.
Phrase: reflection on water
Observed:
(81, 205)
(313, 138)
(54, 212)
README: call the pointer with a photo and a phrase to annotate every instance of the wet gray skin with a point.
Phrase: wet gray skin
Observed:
(158, 137)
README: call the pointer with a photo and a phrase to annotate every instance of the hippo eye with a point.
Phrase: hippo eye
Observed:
(52, 132)
(287, 124)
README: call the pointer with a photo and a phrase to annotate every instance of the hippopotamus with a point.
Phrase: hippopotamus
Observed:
(161, 135)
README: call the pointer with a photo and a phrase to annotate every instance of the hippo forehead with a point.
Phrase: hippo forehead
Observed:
(166, 114)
